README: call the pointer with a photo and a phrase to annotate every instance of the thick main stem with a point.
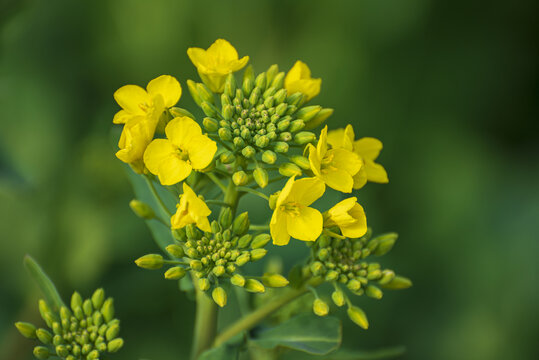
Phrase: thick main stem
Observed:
(205, 324)
(251, 320)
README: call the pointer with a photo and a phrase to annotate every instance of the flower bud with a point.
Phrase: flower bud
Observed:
(261, 177)
(210, 124)
(230, 85)
(307, 113)
(281, 147)
(289, 170)
(26, 329)
(115, 345)
(260, 241)
(227, 157)
(150, 262)
(332, 275)
(262, 141)
(255, 95)
(225, 219)
(273, 200)
(240, 178)
(385, 243)
(192, 86)
(258, 254)
(353, 285)
(179, 234)
(358, 316)
(225, 134)
(112, 332)
(108, 310)
(338, 297)
(219, 270)
(175, 250)
(248, 152)
(278, 81)
(98, 298)
(76, 301)
(373, 292)
(320, 307)
(180, 112)
(248, 85)
(44, 336)
(244, 241)
(228, 111)
(387, 277)
(281, 109)
(304, 137)
(271, 72)
(87, 307)
(296, 125)
(269, 157)
(203, 284)
(319, 119)
(279, 96)
(219, 296)
(141, 209)
(237, 280)
(254, 286)
(209, 109)
(317, 267)
(241, 224)
(398, 283)
(301, 161)
(295, 99)
(195, 265)
(93, 355)
(243, 259)
(268, 100)
(175, 273)
(274, 280)
(41, 352)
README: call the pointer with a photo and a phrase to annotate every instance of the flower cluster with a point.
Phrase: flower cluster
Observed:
(86, 331)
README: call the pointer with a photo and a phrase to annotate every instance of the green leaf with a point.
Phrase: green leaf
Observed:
(347, 354)
(226, 351)
(161, 234)
(307, 332)
(46, 285)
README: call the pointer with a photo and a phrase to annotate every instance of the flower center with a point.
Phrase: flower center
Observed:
(182, 154)
(292, 209)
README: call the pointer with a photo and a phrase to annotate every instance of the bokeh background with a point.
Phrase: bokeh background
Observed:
(450, 87)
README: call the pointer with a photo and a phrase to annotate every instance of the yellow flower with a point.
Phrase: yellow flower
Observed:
(216, 63)
(367, 148)
(292, 216)
(191, 210)
(349, 216)
(135, 137)
(299, 79)
(335, 167)
(185, 149)
(162, 92)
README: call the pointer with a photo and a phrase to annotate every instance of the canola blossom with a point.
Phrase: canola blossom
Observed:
(191, 210)
(298, 79)
(349, 216)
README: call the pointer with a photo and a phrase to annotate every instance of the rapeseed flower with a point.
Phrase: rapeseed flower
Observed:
(215, 63)
(349, 216)
(191, 210)
(292, 216)
(298, 79)
(136, 136)
(185, 148)
(367, 148)
(335, 167)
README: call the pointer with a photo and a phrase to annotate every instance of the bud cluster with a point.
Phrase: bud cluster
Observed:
(216, 256)
(86, 331)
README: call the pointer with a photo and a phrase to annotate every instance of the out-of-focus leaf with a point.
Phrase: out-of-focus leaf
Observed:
(226, 351)
(347, 354)
(46, 285)
(306, 332)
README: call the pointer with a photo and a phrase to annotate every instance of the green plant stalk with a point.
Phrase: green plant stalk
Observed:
(251, 320)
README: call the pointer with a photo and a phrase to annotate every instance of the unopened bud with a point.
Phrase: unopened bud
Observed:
(180, 112)
(115, 345)
(41, 352)
(258, 254)
(398, 283)
(269, 157)
(332, 275)
(141, 209)
(195, 265)
(98, 298)
(274, 280)
(219, 270)
(254, 286)
(319, 119)
(244, 241)
(307, 113)
(373, 292)
(175, 250)
(243, 259)
(150, 261)
(240, 178)
(219, 296)
(320, 307)
(26, 329)
(278, 80)
(317, 267)
(203, 284)
(273, 200)
(210, 124)
(338, 297)
(281, 147)
(225, 219)
(260, 241)
(112, 332)
(175, 273)
(241, 224)
(227, 157)
(76, 301)
(304, 137)
(301, 161)
(209, 109)
(87, 307)
(44, 336)
(296, 125)
(261, 177)
(353, 285)
(248, 152)
(385, 243)
(358, 316)
(108, 310)
(387, 277)
(225, 134)
(289, 170)
(192, 86)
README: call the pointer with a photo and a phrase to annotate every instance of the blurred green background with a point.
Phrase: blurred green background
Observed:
(450, 87)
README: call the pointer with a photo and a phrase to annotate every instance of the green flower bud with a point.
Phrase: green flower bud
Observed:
(179, 112)
(332, 275)
(57, 340)
(195, 265)
(192, 253)
(230, 85)
(373, 292)
(268, 101)
(227, 157)
(179, 234)
(271, 72)
(210, 124)
(398, 283)
(175, 250)
(112, 332)
(261, 177)
(57, 328)
(338, 297)
(289, 170)
(304, 137)
(26, 329)
(241, 224)
(278, 81)
(258, 254)
(248, 85)
(41, 352)
(308, 112)
(301, 161)
(353, 285)
(281, 147)
(274, 280)
(205, 93)
(254, 286)
(98, 298)
(240, 178)
(260, 81)
(141, 209)
(387, 277)
(260, 241)
(62, 351)
(76, 301)
(273, 200)
(239, 142)
(192, 86)
(108, 309)
(243, 259)
(385, 243)
(320, 308)
(262, 141)
(209, 109)
(225, 219)
(65, 314)
(358, 316)
(115, 345)
(296, 125)
(295, 99)
(203, 284)
(150, 262)
(269, 157)
(175, 273)
(280, 96)
(87, 307)
(255, 95)
(319, 119)
(317, 267)
(248, 152)
(93, 355)
(225, 134)
(228, 112)
(374, 274)
(237, 280)
(219, 296)
(244, 241)
(281, 109)
(219, 270)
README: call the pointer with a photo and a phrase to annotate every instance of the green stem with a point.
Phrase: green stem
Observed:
(253, 191)
(217, 182)
(205, 323)
(259, 227)
(157, 197)
(251, 320)
(216, 202)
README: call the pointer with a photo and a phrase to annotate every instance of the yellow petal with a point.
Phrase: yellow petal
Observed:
(307, 226)
(130, 98)
(342, 138)
(166, 86)
(278, 228)
(339, 213)
(135, 137)
(298, 79)
(198, 58)
(307, 190)
(158, 151)
(375, 172)
(299, 71)
(196, 205)
(121, 117)
(346, 160)
(182, 130)
(215, 81)
(359, 227)
(314, 159)
(172, 170)
(285, 193)
(339, 180)
(360, 179)
(201, 151)
(368, 147)
(322, 146)
(222, 52)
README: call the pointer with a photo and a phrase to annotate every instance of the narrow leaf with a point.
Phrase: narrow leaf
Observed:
(225, 351)
(347, 354)
(46, 285)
